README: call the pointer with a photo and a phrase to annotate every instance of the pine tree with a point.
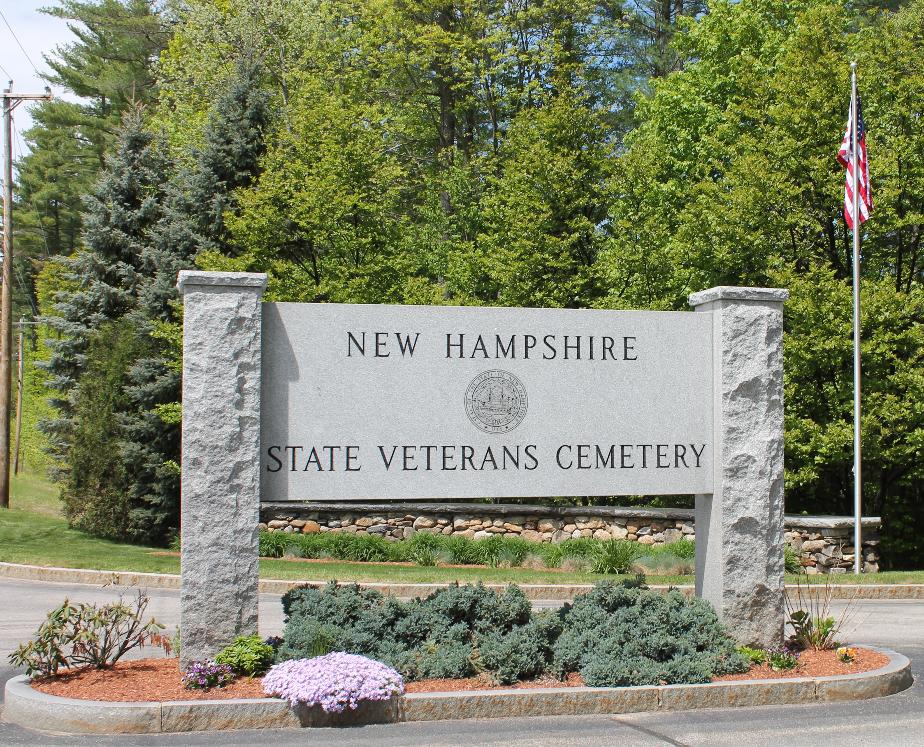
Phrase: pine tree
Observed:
(192, 221)
(200, 197)
(108, 68)
(101, 284)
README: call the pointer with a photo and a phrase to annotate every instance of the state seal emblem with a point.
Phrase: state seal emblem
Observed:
(496, 401)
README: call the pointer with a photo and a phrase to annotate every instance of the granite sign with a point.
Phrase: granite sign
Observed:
(371, 402)
(288, 402)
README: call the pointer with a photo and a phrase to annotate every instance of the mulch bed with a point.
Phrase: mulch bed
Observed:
(159, 679)
(814, 664)
(140, 680)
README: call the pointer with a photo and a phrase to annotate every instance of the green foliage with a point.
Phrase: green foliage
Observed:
(524, 653)
(617, 636)
(615, 556)
(813, 632)
(791, 559)
(105, 69)
(454, 632)
(88, 635)
(663, 564)
(684, 548)
(247, 655)
(694, 206)
(497, 551)
(423, 555)
(95, 495)
(781, 659)
(753, 655)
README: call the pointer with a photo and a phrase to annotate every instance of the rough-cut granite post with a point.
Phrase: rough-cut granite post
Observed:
(739, 528)
(220, 505)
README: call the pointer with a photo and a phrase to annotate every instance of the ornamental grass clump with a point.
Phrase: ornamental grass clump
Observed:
(335, 682)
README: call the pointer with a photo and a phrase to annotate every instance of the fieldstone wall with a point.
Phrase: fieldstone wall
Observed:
(824, 543)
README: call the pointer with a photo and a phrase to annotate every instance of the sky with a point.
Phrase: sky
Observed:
(39, 34)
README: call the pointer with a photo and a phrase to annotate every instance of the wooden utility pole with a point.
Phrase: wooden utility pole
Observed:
(19, 386)
(10, 102)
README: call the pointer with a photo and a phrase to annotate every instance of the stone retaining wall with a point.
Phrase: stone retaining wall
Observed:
(824, 543)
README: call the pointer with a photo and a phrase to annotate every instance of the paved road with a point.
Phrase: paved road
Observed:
(897, 721)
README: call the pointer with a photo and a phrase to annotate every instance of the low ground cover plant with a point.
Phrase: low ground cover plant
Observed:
(247, 655)
(89, 635)
(425, 549)
(753, 655)
(440, 636)
(336, 682)
(782, 658)
(617, 634)
(204, 675)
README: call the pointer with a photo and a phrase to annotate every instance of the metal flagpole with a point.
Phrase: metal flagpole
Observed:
(857, 443)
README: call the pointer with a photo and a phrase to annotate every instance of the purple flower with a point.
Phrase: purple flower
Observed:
(335, 682)
(206, 674)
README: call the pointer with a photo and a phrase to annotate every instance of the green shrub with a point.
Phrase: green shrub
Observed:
(248, 655)
(753, 655)
(615, 556)
(791, 559)
(425, 548)
(439, 636)
(813, 632)
(524, 653)
(682, 549)
(617, 635)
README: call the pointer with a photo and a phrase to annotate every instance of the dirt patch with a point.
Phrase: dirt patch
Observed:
(814, 664)
(159, 679)
(140, 680)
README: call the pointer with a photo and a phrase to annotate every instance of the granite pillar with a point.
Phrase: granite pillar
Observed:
(220, 500)
(739, 527)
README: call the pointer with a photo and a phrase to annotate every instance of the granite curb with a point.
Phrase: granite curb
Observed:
(545, 592)
(28, 708)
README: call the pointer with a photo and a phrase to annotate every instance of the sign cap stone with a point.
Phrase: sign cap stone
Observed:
(189, 278)
(736, 293)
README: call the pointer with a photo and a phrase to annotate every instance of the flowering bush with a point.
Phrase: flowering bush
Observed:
(335, 682)
(201, 675)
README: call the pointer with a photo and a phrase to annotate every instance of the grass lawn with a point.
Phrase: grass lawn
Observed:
(32, 531)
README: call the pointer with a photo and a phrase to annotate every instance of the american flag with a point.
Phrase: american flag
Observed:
(846, 159)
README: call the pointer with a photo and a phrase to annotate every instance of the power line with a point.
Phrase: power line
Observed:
(20, 44)
(5, 72)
